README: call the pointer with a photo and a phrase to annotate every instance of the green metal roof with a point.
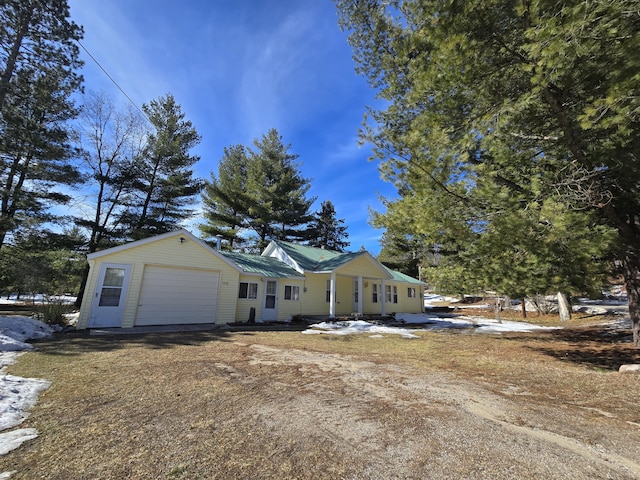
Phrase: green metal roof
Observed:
(316, 259)
(401, 277)
(265, 266)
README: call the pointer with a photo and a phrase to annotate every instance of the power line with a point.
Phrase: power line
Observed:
(114, 82)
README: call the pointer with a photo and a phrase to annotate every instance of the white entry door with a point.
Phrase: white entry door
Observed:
(110, 295)
(270, 307)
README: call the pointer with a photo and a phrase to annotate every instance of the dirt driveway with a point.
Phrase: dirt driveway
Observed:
(251, 405)
(395, 422)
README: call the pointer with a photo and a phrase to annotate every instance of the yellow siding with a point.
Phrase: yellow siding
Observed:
(244, 304)
(363, 266)
(344, 295)
(165, 252)
(87, 299)
(289, 308)
(369, 307)
(315, 302)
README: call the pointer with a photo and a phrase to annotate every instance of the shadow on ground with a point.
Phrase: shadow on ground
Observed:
(597, 347)
(75, 342)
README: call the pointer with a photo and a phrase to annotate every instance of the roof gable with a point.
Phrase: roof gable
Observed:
(182, 234)
(264, 266)
(317, 260)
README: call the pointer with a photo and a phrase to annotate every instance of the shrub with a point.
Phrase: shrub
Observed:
(52, 311)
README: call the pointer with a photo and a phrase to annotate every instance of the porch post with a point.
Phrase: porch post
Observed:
(384, 299)
(332, 296)
(360, 296)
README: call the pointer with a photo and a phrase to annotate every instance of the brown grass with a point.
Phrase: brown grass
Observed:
(199, 405)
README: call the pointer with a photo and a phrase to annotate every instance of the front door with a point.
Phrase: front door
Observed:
(270, 310)
(111, 292)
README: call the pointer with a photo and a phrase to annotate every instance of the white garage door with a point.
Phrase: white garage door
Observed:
(172, 296)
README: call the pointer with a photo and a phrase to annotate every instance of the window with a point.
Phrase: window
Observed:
(328, 292)
(411, 292)
(112, 287)
(374, 293)
(291, 292)
(248, 290)
(388, 294)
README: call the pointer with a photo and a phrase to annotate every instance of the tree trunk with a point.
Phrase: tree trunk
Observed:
(564, 309)
(14, 53)
(524, 308)
(631, 274)
(83, 286)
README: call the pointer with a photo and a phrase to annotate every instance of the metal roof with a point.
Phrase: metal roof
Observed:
(265, 266)
(316, 259)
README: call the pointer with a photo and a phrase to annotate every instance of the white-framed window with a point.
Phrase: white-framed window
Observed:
(328, 291)
(374, 293)
(248, 290)
(411, 292)
(291, 292)
(392, 294)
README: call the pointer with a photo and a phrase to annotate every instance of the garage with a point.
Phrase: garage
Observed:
(170, 296)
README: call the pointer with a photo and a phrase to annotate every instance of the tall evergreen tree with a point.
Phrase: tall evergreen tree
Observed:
(404, 252)
(507, 121)
(259, 190)
(225, 201)
(38, 59)
(36, 35)
(166, 186)
(280, 207)
(326, 230)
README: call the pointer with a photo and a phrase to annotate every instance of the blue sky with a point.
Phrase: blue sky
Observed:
(239, 68)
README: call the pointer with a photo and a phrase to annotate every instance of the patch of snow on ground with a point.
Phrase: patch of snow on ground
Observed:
(481, 324)
(357, 326)
(426, 321)
(17, 394)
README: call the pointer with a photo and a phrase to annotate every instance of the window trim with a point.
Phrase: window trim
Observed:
(294, 293)
(251, 292)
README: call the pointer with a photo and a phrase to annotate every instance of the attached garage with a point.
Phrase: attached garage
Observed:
(171, 295)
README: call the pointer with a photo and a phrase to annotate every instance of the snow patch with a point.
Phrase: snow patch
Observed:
(427, 322)
(17, 394)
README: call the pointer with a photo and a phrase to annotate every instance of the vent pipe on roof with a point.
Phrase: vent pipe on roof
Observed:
(218, 242)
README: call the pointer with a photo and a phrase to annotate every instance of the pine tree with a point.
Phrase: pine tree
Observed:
(507, 125)
(166, 186)
(402, 252)
(326, 230)
(37, 79)
(225, 201)
(280, 208)
(37, 35)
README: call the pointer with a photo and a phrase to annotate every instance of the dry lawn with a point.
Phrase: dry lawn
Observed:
(279, 405)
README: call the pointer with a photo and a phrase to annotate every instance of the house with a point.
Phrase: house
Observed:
(176, 278)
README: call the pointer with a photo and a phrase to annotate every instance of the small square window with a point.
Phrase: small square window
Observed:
(248, 290)
(411, 292)
(291, 292)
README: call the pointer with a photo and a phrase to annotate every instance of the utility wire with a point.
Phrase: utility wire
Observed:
(115, 83)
